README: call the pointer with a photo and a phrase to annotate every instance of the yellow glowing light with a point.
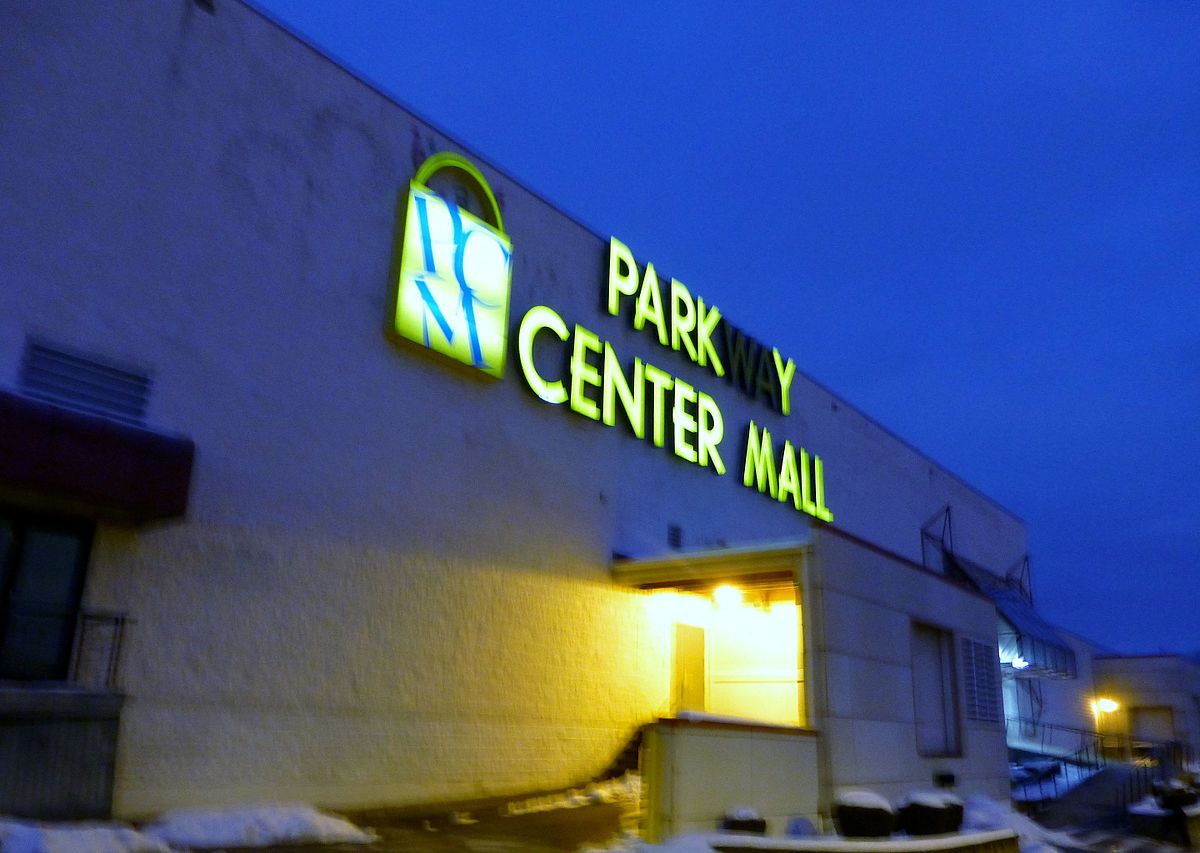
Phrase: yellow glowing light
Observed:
(727, 595)
(1104, 706)
(668, 607)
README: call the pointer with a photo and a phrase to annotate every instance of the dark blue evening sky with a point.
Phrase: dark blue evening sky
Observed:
(978, 223)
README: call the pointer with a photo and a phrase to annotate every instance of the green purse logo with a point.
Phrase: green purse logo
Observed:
(455, 271)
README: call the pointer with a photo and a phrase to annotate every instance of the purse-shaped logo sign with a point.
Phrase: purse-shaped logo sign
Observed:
(455, 271)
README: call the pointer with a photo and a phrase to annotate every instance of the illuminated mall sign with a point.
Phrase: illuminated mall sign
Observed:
(455, 271)
(452, 297)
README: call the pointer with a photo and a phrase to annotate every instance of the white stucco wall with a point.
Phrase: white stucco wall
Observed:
(388, 566)
(266, 664)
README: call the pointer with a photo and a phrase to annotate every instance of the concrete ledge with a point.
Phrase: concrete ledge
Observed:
(998, 841)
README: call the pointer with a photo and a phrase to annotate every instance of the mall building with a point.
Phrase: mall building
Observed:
(337, 466)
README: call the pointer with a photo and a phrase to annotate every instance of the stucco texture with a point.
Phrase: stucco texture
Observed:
(352, 676)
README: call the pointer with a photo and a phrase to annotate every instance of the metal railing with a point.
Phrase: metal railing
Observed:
(1050, 738)
(1155, 764)
(1145, 762)
(1076, 753)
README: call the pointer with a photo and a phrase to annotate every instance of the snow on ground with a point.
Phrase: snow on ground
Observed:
(30, 837)
(254, 826)
(983, 813)
(980, 814)
(1148, 806)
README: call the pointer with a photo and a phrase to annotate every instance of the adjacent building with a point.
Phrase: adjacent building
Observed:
(1152, 700)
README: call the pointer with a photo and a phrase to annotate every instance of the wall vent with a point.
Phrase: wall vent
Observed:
(83, 382)
(981, 674)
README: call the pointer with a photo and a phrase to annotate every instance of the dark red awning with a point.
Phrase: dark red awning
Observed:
(56, 458)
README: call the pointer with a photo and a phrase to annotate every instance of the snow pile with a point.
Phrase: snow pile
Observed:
(1148, 806)
(704, 717)
(930, 799)
(27, 837)
(258, 826)
(981, 813)
(863, 800)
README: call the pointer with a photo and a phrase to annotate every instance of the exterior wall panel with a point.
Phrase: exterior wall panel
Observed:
(867, 712)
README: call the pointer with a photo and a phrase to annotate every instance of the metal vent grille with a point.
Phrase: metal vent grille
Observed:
(83, 382)
(981, 677)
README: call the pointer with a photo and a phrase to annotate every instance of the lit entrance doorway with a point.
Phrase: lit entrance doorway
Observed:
(733, 624)
(743, 660)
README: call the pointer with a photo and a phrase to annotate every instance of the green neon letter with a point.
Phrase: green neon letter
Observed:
(711, 431)
(633, 396)
(823, 512)
(706, 324)
(787, 372)
(789, 483)
(649, 305)
(620, 280)
(537, 318)
(806, 501)
(683, 318)
(764, 381)
(683, 420)
(760, 462)
(661, 380)
(584, 373)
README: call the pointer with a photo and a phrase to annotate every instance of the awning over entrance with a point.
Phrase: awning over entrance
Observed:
(768, 563)
(56, 458)
(1028, 643)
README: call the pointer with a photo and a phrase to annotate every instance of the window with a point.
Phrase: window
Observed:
(934, 691)
(42, 566)
(981, 680)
